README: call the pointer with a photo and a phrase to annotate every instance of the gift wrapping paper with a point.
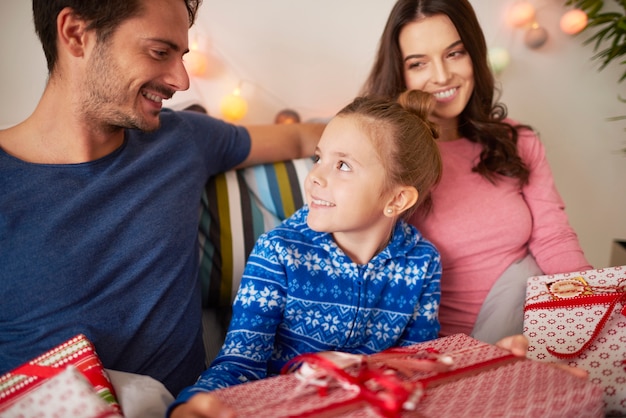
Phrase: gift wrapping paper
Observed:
(67, 395)
(579, 319)
(78, 352)
(484, 380)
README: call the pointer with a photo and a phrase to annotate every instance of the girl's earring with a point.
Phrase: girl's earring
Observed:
(389, 210)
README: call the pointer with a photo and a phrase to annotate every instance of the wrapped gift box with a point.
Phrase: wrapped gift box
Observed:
(580, 319)
(482, 381)
(67, 395)
(77, 352)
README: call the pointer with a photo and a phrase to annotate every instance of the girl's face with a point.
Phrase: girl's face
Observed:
(436, 61)
(345, 188)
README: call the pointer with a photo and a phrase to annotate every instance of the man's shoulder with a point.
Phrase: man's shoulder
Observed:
(175, 120)
(196, 125)
(18, 141)
(191, 120)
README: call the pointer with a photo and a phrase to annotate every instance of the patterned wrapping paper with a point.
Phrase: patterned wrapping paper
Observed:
(484, 381)
(78, 352)
(579, 319)
(67, 395)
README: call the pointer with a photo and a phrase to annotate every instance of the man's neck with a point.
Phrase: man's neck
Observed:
(55, 134)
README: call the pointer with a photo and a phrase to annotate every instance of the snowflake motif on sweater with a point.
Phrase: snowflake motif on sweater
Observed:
(300, 293)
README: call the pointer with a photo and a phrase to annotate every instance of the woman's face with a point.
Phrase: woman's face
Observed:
(436, 61)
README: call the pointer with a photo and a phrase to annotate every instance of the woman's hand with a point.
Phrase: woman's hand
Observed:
(518, 346)
(203, 405)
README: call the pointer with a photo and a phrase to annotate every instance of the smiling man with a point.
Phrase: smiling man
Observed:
(101, 187)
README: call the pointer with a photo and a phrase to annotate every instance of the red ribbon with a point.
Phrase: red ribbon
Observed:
(381, 386)
(36, 370)
(385, 391)
(619, 295)
(89, 369)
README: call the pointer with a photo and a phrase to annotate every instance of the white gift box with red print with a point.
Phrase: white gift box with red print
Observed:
(78, 352)
(483, 380)
(67, 394)
(579, 319)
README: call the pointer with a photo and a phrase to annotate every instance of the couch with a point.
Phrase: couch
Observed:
(237, 207)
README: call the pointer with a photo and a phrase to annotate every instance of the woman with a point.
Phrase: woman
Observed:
(496, 216)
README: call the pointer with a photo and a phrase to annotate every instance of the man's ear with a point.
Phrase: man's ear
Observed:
(404, 197)
(71, 32)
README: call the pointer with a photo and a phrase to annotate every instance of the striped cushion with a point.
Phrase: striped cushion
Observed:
(237, 207)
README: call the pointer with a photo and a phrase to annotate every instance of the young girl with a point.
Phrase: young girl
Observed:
(346, 272)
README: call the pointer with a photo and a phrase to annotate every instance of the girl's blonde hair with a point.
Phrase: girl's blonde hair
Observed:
(404, 137)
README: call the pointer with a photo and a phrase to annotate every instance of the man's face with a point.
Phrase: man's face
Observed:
(138, 67)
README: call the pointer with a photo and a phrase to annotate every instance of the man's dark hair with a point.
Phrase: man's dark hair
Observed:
(104, 16)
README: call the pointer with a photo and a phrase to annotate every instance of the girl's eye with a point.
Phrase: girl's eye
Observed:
(316, 159)
(342, 166)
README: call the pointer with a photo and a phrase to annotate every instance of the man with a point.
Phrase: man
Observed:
(100, 191)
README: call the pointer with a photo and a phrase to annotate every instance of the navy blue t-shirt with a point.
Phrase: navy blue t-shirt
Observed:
(109, 248)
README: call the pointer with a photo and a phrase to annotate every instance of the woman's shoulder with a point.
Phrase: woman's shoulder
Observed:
(524, 130)
(526, 133)
(529, 144)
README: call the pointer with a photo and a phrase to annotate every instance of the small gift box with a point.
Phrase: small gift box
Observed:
(466, 378)
(67, 395)
(580, 319)
(77, 352)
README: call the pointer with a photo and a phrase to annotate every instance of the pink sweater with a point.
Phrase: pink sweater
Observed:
(481, 228)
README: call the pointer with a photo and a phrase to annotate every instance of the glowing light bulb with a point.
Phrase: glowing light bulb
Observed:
(196, 63)
(499, 59)
(573, 21)
(234, 107)
(521, 14)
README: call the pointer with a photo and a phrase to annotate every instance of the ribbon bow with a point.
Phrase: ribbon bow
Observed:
(380, 385)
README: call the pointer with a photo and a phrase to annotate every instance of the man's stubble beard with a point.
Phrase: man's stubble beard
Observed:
(106, 95)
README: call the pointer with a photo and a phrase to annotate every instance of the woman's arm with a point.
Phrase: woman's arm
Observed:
(553, 242)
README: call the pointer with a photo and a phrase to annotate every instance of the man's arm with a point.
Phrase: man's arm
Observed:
(270, 143)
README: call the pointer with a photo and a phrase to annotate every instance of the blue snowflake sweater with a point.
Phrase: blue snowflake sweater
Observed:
(300, 293)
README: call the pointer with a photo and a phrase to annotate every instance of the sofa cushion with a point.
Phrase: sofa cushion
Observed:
(237, 207)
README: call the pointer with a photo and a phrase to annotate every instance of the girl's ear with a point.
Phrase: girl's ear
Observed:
(404, 197)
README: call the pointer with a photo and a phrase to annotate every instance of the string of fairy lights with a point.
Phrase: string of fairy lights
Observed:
(521, 15)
